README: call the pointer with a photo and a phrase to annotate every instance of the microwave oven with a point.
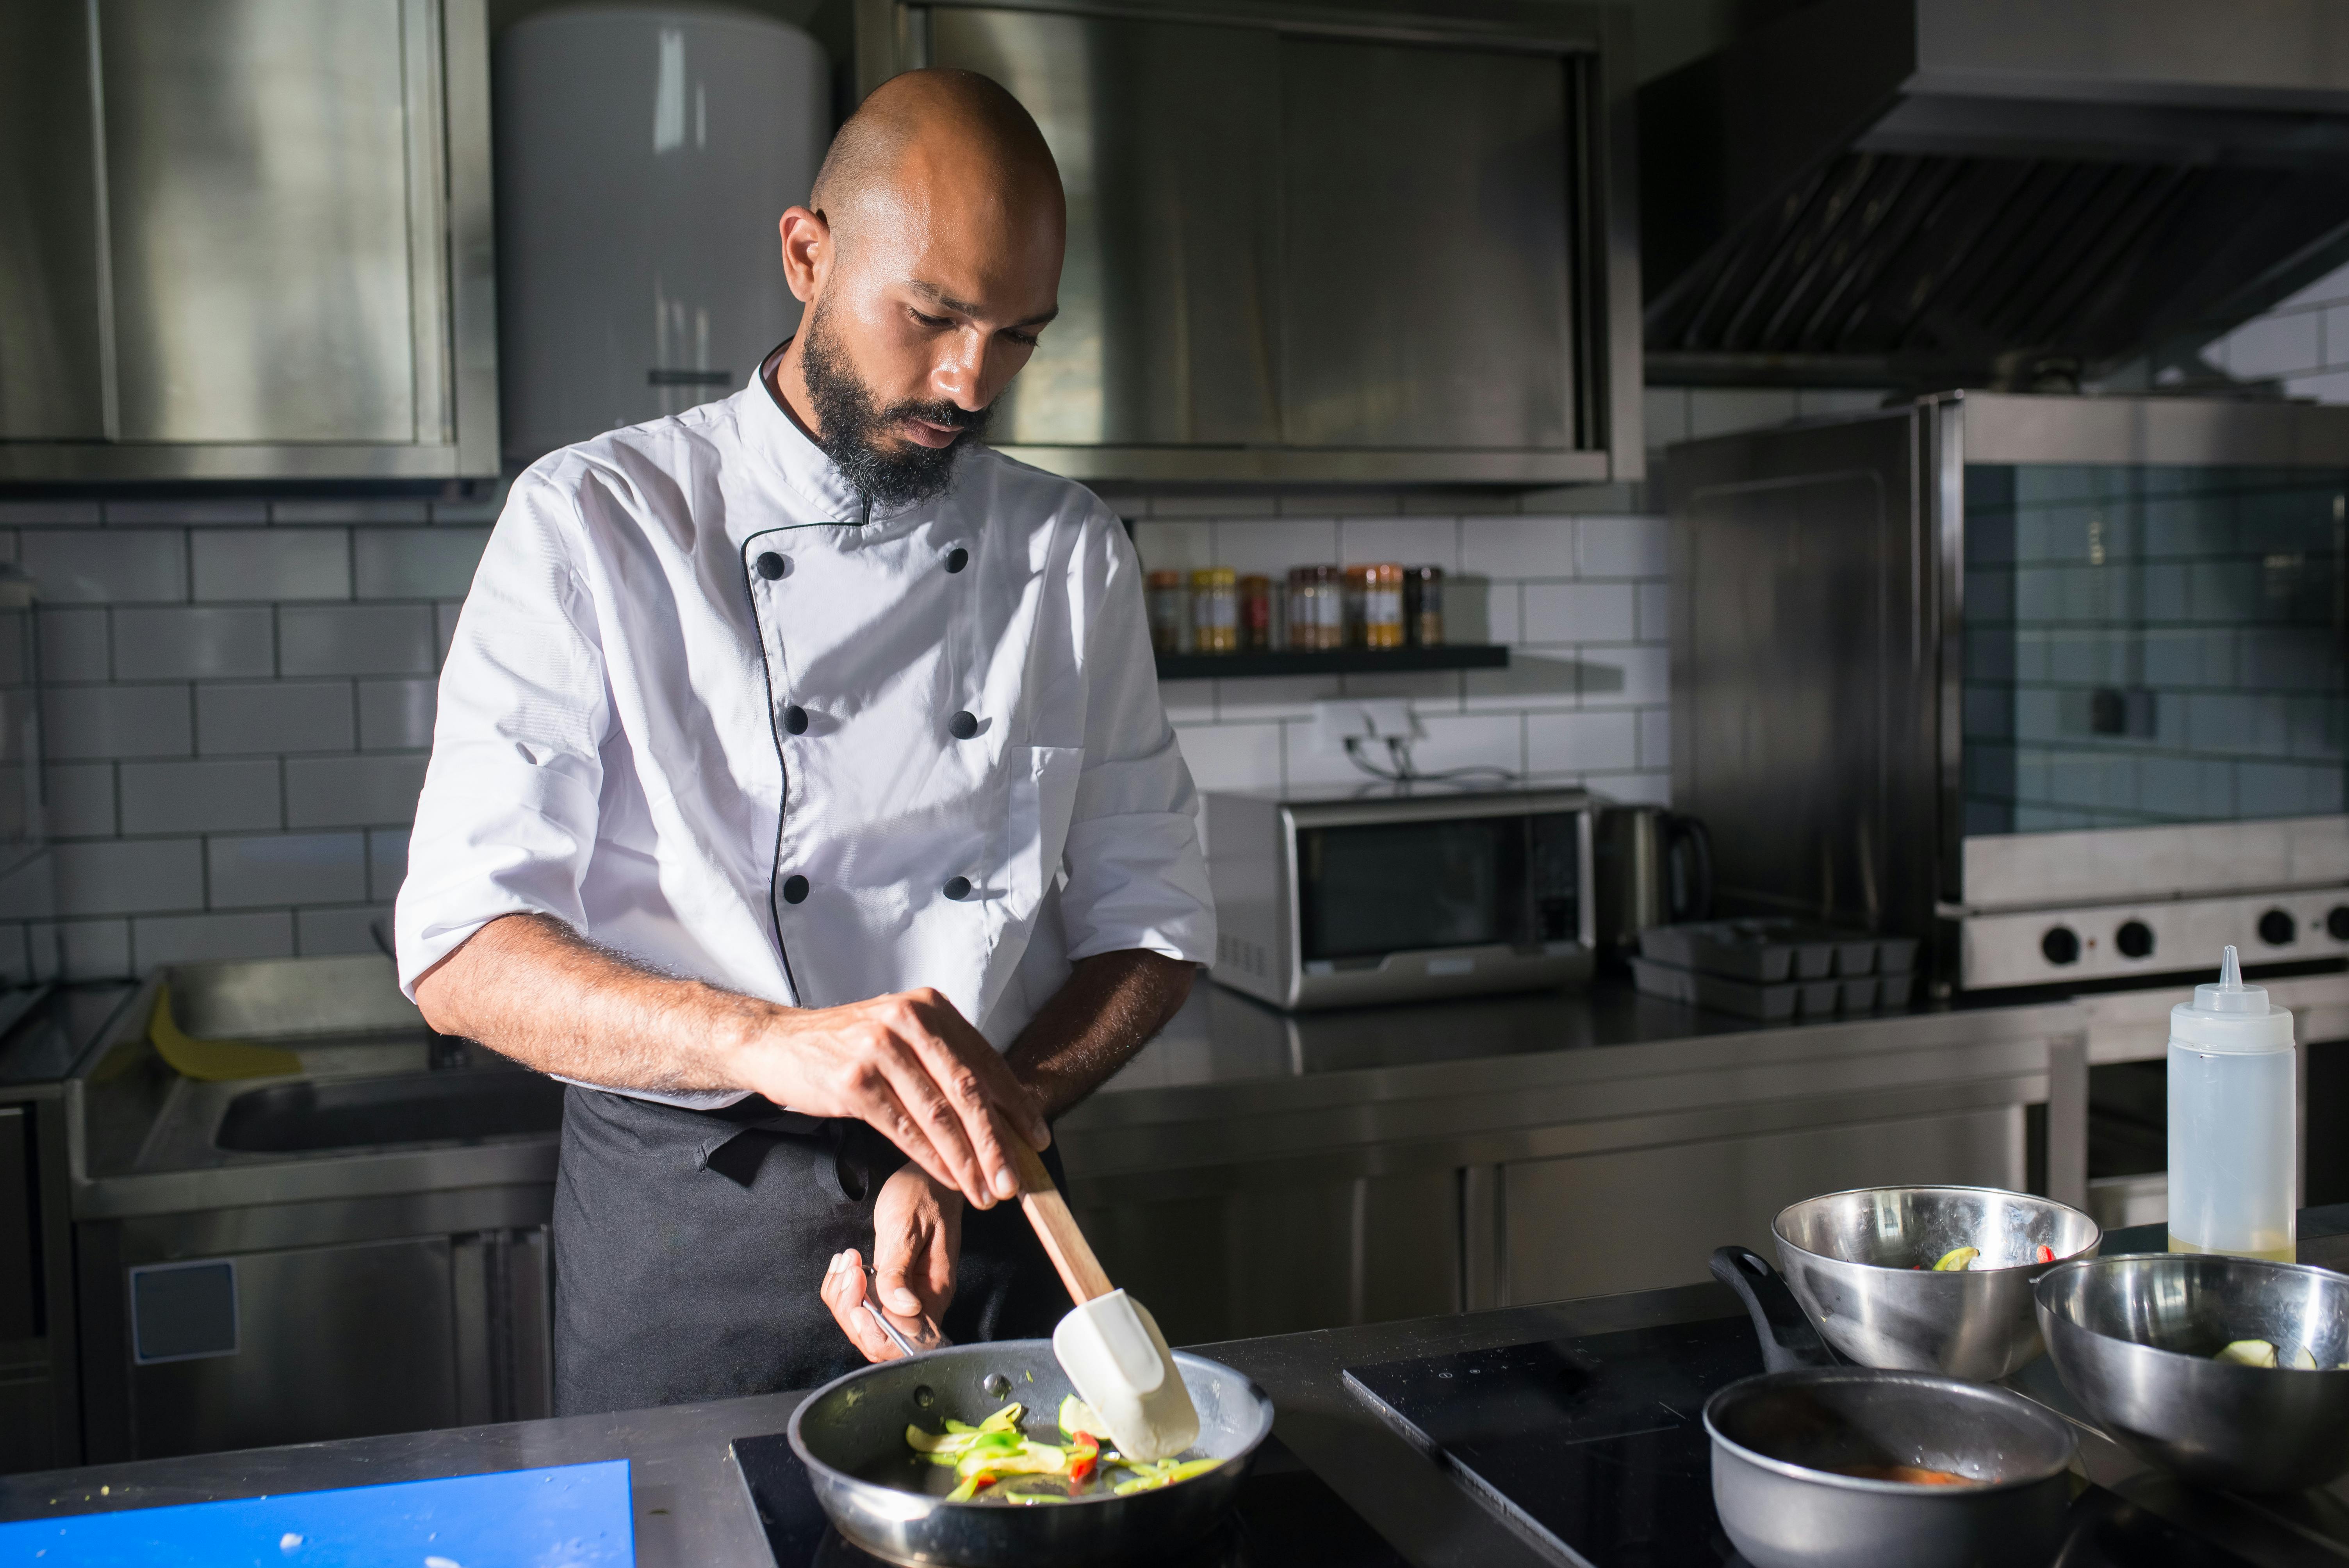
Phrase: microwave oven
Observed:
(2059, 683)
(1400, 892)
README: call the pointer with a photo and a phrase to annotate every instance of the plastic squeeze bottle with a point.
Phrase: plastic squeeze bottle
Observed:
(2231, 1125)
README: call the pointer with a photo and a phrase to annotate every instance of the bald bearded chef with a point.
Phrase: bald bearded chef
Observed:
(801, 796)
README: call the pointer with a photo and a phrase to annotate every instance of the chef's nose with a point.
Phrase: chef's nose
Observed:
(960, 374)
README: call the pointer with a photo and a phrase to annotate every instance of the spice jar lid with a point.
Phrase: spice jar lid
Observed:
(1385, 574)
(1213, 577)
(1424, 573)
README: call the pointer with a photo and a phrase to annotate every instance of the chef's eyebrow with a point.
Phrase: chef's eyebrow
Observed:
(938, 296)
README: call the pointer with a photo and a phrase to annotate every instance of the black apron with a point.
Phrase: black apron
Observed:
(688, 1246)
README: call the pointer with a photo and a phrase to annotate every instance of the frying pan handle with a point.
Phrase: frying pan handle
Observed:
(1789, 1342)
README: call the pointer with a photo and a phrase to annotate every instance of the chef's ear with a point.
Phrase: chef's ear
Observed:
(807, 250)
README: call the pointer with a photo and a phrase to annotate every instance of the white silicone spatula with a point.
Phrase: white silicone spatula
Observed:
(1110, 1346)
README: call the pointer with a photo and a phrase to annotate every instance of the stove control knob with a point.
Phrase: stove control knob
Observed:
(2135, 939)
(2061, 944)
(2277, 927)
(2336, 924)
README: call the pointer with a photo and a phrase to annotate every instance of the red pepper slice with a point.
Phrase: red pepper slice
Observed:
(1085, 1456)
(2046, 1253)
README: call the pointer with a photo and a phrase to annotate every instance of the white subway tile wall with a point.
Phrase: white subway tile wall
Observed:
(237, 695)
(1577, 597)
(237, 701)
(2302, 342)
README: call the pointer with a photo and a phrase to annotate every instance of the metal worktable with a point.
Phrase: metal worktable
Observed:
(691, 1509)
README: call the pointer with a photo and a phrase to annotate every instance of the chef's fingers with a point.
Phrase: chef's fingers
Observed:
(962, 1077)
(877, 1102)
(993, 1082)
(924, 1114)
(843, 1294)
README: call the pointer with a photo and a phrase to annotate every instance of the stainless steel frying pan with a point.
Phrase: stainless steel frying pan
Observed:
(851, 1434)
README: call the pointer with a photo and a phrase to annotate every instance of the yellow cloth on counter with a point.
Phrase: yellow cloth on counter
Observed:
(212, 1061)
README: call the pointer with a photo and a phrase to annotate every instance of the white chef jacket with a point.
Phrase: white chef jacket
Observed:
(701, 712)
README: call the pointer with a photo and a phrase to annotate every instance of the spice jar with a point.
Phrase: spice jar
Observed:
(1316, 615)
(1215, 611)
(1256, 614)
(1382, 625)
(1169, 609)
(1356, 580)
(1422, 606)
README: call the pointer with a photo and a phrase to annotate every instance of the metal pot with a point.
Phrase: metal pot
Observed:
(851, 1434)
(1783, 1443)
(2132, 1336)
(1851, 1257)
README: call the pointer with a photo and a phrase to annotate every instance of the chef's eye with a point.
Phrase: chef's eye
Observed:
(1024, 339)
(933, 322)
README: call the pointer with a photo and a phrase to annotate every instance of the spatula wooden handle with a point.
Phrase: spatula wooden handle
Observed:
(1056, 1227)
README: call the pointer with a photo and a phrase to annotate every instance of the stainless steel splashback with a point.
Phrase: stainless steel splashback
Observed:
(245, 239)
(1345, 242)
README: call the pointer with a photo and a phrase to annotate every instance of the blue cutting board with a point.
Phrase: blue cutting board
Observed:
(568, 1516)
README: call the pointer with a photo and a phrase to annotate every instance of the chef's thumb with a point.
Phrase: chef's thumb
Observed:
(889, 1284)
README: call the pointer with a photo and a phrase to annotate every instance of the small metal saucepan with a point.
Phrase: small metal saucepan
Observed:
(851, 1434)
(1798, 1454)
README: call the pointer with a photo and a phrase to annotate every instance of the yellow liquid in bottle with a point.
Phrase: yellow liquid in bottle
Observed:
(2281, 1251)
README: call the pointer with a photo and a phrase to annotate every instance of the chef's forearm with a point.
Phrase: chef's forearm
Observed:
(1110, 1006)
(529, 987)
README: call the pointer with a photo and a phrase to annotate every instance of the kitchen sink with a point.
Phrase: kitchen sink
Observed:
(410, 1108)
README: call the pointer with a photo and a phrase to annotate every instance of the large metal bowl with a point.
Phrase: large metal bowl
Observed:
(1852, 1259)
(2132, 1336)
(851, 1434)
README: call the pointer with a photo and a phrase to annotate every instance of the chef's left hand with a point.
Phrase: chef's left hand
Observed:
(916, 1237)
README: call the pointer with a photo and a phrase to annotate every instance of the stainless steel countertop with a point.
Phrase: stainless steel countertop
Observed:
(1237, 1093)
(690, 1508)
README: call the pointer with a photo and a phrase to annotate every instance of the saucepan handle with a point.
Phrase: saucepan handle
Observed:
(1789, 1340)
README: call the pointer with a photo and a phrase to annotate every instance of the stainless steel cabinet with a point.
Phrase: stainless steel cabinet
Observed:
(1644, 1217)
(245, 239)
(197, 1350)
(40, 1416)
(1327, 240)
(1274, 1260)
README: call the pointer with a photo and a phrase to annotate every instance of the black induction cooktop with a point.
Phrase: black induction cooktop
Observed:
(1287, 1516)
(1594, 1449)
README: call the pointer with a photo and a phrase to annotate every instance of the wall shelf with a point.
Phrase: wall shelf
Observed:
(1332, 662)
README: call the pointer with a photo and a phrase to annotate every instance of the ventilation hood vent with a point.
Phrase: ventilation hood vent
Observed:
(1988, 192)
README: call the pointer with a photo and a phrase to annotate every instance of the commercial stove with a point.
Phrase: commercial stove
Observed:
(1287, 1516)
(1593, 1450)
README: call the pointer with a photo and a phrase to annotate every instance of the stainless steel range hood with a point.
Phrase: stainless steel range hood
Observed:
(1913, 192)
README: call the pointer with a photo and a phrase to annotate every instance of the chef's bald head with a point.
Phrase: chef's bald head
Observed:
(940, 145)
(929, 257)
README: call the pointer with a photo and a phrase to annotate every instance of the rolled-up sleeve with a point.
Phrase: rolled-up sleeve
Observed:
(508, 815)
(1136, 878)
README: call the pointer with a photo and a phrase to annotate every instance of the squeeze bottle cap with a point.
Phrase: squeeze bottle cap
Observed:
(2231, 1015)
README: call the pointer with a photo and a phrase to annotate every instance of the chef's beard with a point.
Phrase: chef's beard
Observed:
(902, 472)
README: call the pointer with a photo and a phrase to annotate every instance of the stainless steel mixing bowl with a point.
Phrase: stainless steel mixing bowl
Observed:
(1852, 1259)
(2132, 1336)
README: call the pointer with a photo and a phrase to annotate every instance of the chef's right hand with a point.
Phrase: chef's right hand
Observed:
(913, 1068)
